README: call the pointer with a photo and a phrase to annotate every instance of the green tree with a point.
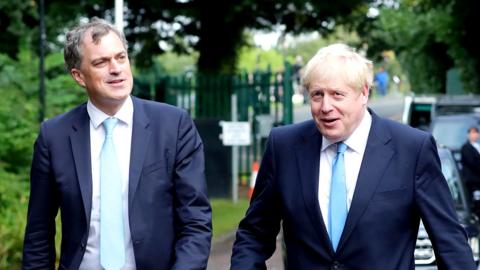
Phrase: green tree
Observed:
(461, 36)
(13, 210)
(19, 105)
(413, 34)
(252, 59)
(17, 112)
(430, 37)
(309, 47)
(215, 28)
(16, 20)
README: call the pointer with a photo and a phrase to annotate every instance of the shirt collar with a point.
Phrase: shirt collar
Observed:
(125, 114)
(475, 144)
(358, 140)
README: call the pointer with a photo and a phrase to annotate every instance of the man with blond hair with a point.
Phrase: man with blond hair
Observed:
(348, 187)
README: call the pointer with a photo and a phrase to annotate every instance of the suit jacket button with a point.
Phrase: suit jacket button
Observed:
(336, 265)
(83, 246)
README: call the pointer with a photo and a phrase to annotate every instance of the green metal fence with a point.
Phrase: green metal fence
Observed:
(264, 99)
(265, 92)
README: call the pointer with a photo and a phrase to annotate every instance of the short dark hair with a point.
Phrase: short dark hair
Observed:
(97, 28)
(473, 129)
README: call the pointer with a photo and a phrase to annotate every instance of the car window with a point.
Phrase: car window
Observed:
(421, 116)
(451, 132)
(452, 176)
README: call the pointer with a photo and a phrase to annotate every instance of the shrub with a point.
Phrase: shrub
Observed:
(13, 212)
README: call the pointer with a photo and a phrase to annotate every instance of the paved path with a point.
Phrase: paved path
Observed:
(222, 250)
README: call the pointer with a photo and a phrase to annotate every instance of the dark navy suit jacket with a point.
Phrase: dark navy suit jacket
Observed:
(471, 166)
(169, 213)
(400, 181)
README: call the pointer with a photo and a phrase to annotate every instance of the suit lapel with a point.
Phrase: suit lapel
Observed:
(376, 158)
(473, 150)
(308, 162)
(80, 143)
(140, 138)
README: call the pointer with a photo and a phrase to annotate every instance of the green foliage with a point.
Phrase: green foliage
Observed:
(394, 69)
(13, 210)
(62, 92)
(308, 47)
(16, 20)
(17, 112)
(19, 105)
(177, 64)
(19, 108)
(461, 36)
(186, 26)
(430, 37)
(415, 36)
(252, 59)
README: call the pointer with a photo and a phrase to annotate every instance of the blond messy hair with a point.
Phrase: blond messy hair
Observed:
(339, 61)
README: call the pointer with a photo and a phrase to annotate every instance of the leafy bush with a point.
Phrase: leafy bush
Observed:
(62, 92)
(13, 212)
(19, 106)
(17, 113)
(19, 123)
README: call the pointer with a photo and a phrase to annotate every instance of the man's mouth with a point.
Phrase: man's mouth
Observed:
(117, 81)
(329, 120)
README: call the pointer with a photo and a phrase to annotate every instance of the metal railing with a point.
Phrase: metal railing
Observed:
(264, 100)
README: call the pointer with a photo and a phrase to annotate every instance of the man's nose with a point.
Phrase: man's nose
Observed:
(114, 66)
(326, 103)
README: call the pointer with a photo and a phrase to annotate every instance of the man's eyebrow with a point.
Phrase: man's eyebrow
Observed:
(101, 58)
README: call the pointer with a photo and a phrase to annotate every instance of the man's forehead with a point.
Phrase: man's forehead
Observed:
(90, 38)
(329, 85)
(90, 42)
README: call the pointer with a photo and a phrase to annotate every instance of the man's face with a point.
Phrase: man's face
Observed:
(337, 108)
(105, 72)
(473, 135)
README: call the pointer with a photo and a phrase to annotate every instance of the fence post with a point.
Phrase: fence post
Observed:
(287, 95)
(234, 152)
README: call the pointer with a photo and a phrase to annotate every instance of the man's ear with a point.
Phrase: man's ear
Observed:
(78, 76)
(365, 93)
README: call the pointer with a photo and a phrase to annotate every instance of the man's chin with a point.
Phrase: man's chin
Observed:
(331, 135)
(120, 95)
(119, 99)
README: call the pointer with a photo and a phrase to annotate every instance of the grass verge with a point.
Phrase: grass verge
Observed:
(226, 215)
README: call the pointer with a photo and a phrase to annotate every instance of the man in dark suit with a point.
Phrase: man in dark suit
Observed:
(471, 161)
(349, 187)
(162, 217)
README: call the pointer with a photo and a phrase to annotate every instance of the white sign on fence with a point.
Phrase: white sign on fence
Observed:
(235, 133)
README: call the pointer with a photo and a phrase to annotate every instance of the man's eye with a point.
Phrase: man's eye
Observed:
(99, 63)
(316, 94)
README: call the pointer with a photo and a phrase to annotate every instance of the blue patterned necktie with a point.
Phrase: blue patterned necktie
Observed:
(112, 250)
(338, 196)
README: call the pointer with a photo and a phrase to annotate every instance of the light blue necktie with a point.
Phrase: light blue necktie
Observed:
(112, 250)
(338, 196)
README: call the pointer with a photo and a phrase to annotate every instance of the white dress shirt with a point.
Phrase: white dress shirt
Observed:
(353, 160)
(122, 137)
(476, 146)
